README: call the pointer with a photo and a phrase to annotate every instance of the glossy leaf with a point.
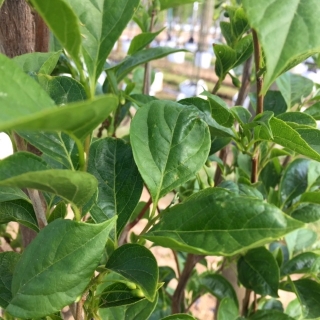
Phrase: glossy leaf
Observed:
(302, 263)
(312, 197)
(289, 45)
(314, 111)
(25, 170)
(179, 316)
(300, 240)
(66, 28)
(298, 118)
(102, 23)
(228, 310)
(8, 261)
(59, 212)
(141, 57)
(8, 194)
(82, 117)
(307, 212)
(269, 314)
(20, 211)
(137, 264)
(206, 224)
(119, 182)
(67, 254)
(218, 286)
(38, 62)
(274, 101)
(273, 304)
(259, 271)
(141, 40)
(170, 144)
(225, 59)
(137, 311)
(294, 180)
(166, 4)
(311, 136)
(62, 90)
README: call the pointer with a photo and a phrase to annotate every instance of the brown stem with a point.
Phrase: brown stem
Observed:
(245, 82)
(79, 309)
(218, 174)
(254, 169)
(147, 70)
(245, 302)
(178, 295)
(177, 262)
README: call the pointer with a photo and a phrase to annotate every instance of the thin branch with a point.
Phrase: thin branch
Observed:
(245, 302)
(177, 262)
(245, 82)
(218, 174)
(79, 309)
(178, 296)
(254, 169)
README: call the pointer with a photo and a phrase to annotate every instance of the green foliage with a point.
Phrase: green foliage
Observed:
(261, 218)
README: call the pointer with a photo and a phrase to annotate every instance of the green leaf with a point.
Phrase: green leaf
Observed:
(273, 304)
(307, 212)
(59, 212)
(300, 240)
(225, 59)
(289, 138)
(58, 149)
(170, 144)
(119, 182)
(294, 180)
(136, 311)
(137, 264)
(242, 115)
(308, 292)
(82, 117)
(166, 4)
(311, 136)
(258, 271)
(66, 28)
(67, 253)
(274, 101)
(289, 45)
(218, 286)
(38, 62)
(302, 263)
(8, 194)
(312, 197)
(206, 224)
(179, 316)
(228, 310)
(8, 261)
(1, 3)
(20, 211)
(220, 110)
(117, 294)
(269, 314)
(62, 90)
(314, 111)
(25, 170)
(102, 23)
(141, 40)
(271, 174)
(141, 57)
(298, 118)
(294, 88)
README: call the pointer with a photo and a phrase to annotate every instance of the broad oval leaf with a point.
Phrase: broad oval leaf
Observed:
(314, 111)
(270, 314)
(25, 170)
(307, 212)
(20, 211)
(8, 194)
(179, 316)
(8, 261)
(302, 263)
(119, 181)
(137, 264)
(298, 118)
(67, 253)
(228, 310)
(274, 101)
(258, 271)
(289, 45)
(66, 28)
(170, 144)
(299, 240)
(217, 222)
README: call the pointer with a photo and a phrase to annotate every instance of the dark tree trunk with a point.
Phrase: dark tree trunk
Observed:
(22, 31)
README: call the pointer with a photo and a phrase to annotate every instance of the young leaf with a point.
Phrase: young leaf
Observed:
(170, 144)
(20, 211)
(225, 59)
(38, 62)
(119, 182)
(59, 212)
(314, 111)
(66, 28)
(136, 311)
(8, 261)
(298, 119)
(302, 263)
(289, 45)
(228, 310)
(8, 194)
(258, 271)
(67, 253)
(25, 170)
(102, 23)
(137, 264)
(206, 224)
(166, 4)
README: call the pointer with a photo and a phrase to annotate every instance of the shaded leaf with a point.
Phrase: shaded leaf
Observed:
(269, 314)
(44, 285)
(314, 111)
(274, 101)
(166, 4)
(8, 194)
(137, 264)
(179, 316)
(307, 212)
(228, 310)
(299, 240)
(302, 263)
(217, 222)
(59, 212)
